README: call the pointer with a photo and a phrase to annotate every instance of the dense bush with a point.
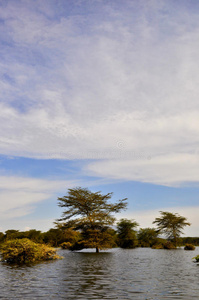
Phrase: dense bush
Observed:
(189, 247)
(169, 245)
(57, 236)
(164, 245)
(26, 251)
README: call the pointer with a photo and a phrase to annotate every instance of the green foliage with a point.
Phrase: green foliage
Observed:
(1, 237)
(26, 251)
(71, 235)
(54, 237)
(171, 225)
(169, 245)
(97, 238)
(34, 235)
(189, 247)
(196, 258)
(91, 214)
(147, 237)
(113, 233)
(66, 245)
(12, 234)
(190, 240)
(126, 234)
(163, 244)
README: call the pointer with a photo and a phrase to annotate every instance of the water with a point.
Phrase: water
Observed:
(140, 273)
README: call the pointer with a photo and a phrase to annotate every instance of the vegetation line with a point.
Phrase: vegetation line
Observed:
(87, 222)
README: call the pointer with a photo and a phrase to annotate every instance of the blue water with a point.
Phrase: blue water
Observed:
(141, 273)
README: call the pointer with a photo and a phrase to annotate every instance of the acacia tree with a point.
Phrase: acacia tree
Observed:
(91, 214)
(147, 237)
(126, 234)
(171, 225)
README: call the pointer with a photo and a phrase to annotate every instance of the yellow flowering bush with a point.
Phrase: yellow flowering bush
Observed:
(26, 251)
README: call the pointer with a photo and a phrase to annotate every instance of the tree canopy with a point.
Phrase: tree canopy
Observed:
(92, 214)
(171, 225)
(126, 233)
(147, 237)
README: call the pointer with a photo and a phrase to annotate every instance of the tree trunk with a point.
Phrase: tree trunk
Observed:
(97, 250)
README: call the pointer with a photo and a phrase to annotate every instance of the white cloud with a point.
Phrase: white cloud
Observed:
(170, 170)
(81, 87)
(19, 195)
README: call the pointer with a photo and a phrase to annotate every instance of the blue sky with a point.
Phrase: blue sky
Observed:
(99, 94)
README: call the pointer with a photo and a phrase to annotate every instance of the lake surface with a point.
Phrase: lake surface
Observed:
(141, 273)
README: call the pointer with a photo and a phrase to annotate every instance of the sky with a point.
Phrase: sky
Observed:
(103, 95)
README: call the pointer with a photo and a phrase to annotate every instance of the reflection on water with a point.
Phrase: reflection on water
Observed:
(116, 274)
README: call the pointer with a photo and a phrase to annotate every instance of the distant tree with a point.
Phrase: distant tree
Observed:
(69, 236)
(171, 225)
(126, 233)
(91, 214)
(53, 237)
(190, 240)
(1, 236)
(34, 235)
(147, 237)
(12, 234)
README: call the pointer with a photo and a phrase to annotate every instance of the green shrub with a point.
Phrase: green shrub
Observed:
(189, 247)
(169, 245)
(147, 237)
(26, 251)
(164, 245)
(196, 258)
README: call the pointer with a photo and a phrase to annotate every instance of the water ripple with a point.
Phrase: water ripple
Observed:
(117, 274)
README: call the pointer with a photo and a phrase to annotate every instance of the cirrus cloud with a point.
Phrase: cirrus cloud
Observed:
(76, 85)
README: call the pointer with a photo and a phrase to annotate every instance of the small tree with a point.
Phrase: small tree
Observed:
(147, 237)
(34, 235)
(126, 233)
(171, 225)
(54, 237)
(91, 214)
(1, 237)
(12, 234)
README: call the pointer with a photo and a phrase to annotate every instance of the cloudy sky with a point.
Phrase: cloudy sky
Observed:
(101, 94)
